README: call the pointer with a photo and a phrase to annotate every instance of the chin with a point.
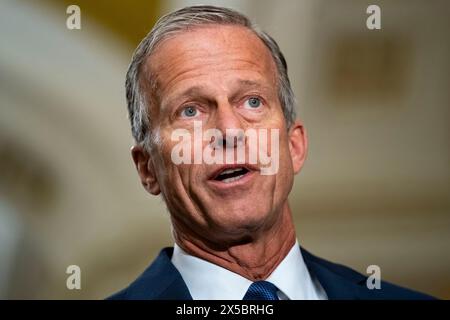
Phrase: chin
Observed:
(240, 221)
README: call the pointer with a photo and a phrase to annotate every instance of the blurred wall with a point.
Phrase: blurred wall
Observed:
(374, 190)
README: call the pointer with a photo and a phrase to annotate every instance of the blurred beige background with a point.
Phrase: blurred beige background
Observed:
(375, 188)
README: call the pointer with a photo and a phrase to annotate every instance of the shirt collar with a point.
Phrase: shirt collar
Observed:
(208, 281)
(291, 276)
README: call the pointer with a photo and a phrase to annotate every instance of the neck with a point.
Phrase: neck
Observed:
(254, 260)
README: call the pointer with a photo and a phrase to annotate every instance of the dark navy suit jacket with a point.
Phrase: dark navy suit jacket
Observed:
(162, 281)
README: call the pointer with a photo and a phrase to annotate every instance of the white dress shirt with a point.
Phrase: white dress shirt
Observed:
(208, 281)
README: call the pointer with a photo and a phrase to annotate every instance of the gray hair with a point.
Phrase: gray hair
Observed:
(182, 20)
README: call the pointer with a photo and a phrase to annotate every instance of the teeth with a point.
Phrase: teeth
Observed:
(231, 175)
(232, 179)
(231, 170)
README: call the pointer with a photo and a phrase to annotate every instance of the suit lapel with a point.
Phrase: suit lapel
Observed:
(161, 281)
(336, 285)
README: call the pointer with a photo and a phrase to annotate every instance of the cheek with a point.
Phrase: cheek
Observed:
(286, 172)
(175, 175)
(165, 168)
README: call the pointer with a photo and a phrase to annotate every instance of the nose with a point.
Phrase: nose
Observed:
(227, 120)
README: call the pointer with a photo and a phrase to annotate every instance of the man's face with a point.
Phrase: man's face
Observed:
(222, 77)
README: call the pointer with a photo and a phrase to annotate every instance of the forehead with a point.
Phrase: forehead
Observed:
(218, 52)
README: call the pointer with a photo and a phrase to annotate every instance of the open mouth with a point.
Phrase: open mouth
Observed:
(231, 174)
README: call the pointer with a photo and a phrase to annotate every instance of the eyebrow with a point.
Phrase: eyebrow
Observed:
(249, 83)
(194, 91)
(245, 85)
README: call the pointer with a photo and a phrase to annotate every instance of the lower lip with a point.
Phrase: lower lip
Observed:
(243, 180)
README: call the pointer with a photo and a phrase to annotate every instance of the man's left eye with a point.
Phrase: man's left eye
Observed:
(189, 112)
(252, 103)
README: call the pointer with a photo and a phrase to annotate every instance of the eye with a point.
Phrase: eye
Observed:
(252, 103)
(189, 112)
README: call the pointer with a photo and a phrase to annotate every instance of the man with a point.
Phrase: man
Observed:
(209, 71)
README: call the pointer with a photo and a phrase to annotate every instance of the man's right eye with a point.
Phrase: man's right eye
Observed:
(189, 112)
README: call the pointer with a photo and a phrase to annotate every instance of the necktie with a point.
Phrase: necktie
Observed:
(261, 290)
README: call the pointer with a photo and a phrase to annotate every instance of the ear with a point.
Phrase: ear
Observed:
(145, 169)
(298, 145)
